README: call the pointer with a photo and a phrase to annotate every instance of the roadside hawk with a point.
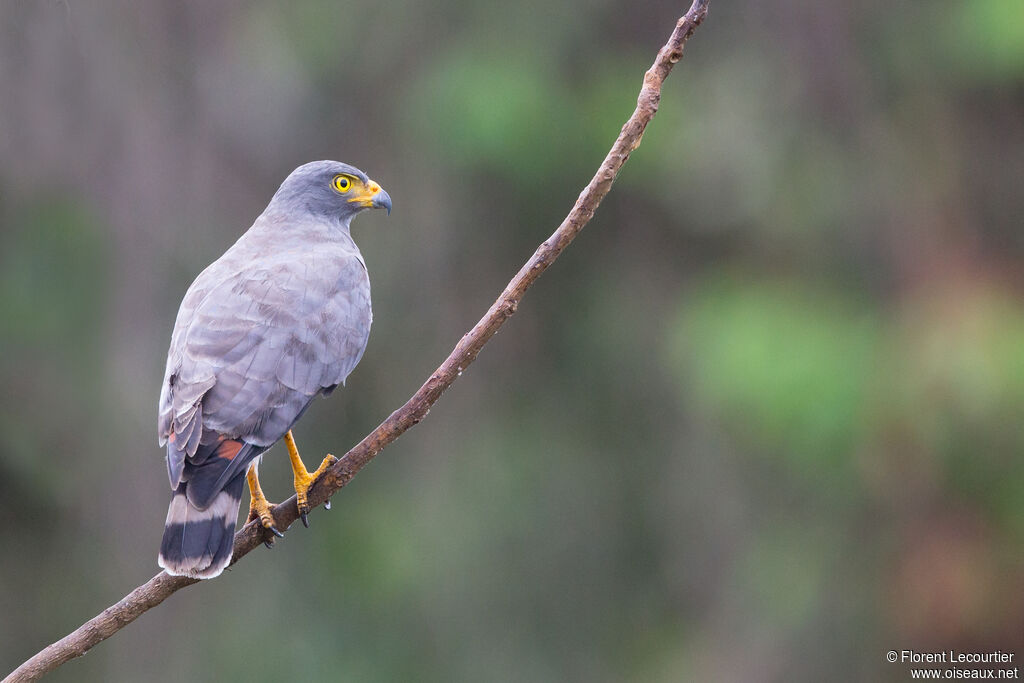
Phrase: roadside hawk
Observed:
(281, 318)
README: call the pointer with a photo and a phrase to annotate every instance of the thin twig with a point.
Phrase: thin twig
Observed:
(161, 586)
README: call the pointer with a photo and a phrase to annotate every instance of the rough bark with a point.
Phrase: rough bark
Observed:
(162, 586)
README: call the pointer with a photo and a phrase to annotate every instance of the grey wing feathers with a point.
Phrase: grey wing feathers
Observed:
(252, 348)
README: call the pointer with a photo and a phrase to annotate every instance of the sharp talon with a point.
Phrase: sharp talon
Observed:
(269, 544)
(277, 533)
(327, 505)
(305, 522)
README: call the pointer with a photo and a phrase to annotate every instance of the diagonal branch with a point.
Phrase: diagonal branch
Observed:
(161, 586)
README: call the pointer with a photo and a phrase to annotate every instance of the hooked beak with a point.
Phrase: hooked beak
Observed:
(373, 196)
(382, 200)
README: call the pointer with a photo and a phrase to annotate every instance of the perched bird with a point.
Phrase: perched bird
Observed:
(281, 318)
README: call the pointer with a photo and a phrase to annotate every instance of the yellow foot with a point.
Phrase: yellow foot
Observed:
(304, 478)
(259, 507)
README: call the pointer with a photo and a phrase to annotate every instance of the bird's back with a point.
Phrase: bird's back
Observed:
(257, 338)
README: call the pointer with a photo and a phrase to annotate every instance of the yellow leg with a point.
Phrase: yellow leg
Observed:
(259, 507)
(303, 477)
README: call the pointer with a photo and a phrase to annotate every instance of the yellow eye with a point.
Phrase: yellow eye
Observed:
(342, 183)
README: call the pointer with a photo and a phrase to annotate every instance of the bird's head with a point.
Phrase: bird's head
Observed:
(331, 190)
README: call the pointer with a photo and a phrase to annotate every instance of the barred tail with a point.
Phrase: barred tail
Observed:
(198, 542)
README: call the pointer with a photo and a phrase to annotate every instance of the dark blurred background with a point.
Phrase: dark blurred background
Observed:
(762, 421)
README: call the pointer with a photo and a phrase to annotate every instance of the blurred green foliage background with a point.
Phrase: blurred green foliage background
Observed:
(762, 422)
